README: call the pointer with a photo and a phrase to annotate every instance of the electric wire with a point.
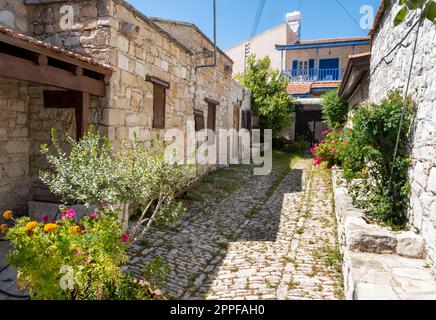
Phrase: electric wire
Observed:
(350, 15)
(257, 17)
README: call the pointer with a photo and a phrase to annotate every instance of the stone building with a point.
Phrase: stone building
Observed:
(67, 64)
(370, 78)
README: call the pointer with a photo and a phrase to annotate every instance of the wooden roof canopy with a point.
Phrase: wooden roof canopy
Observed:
(28, 59)
(358, 66)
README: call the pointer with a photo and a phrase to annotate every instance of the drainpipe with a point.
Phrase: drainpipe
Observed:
(214, 41)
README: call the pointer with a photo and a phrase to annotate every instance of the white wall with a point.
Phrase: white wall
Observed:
(263, 45)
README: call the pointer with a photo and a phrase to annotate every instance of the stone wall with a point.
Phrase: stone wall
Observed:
(101, 30)
(13, 15)
(423, 90)
(14, 146)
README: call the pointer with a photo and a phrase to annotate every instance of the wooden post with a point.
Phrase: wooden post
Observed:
(82, 114)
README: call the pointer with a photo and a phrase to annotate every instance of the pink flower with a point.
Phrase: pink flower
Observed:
(314, 149)
(317, 161)
(93, 216)
(68, 214)
(325, 132)
(125, 238)
(333, 150)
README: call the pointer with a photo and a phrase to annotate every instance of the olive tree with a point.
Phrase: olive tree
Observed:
(93, 174)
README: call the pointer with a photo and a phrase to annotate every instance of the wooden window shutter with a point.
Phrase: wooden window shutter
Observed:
(211, 116)
(244, 119)
(199, 121)
(236, 118)
(159, 101)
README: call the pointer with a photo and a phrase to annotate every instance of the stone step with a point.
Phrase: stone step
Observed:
(372, 276)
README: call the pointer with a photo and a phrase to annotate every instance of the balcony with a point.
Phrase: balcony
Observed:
(313, 75)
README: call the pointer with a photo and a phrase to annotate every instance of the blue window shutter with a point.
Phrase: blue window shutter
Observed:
(311, 64)
(295, 65)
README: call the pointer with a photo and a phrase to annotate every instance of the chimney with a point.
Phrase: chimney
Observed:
(294, 22)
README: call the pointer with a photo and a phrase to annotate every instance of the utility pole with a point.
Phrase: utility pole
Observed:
(246, 53)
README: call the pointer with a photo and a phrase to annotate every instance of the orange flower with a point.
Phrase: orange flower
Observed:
(74, 230)
(4, 228)
(32, 225)
(8, 215)
(50, 227)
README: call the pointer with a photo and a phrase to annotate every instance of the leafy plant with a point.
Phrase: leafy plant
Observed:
(334, 110)
(331, 148)
(382, 185)
(285, 145)
(268, 94)
(92, 174)
(427, 7)
(65, 260)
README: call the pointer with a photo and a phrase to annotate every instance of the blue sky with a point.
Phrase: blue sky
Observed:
(235, 18)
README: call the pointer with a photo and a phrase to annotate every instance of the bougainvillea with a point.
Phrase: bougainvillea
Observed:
(331, 148)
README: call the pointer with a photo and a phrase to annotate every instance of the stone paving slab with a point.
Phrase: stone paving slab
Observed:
(240, 249)
(389, 277)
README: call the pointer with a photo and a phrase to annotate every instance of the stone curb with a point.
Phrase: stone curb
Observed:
(379, 264)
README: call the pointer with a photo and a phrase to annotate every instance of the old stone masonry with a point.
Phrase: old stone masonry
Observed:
(271, 237)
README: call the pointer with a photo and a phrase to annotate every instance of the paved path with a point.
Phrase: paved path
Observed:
(272, 238)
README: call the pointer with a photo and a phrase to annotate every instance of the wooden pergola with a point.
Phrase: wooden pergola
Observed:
(25, 58)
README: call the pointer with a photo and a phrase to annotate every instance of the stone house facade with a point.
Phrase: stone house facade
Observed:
(142, 59)
(380, 78)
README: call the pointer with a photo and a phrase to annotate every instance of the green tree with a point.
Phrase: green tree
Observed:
(269, 98)
(334, 110)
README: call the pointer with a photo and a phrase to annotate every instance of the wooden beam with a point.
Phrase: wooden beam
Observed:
(155, 80)
(42, 60)
(82, 114)
(21, 69)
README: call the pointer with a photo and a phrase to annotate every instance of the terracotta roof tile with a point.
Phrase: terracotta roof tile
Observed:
(306, 87)
(299, 87)
(331, 84)
(52, 47)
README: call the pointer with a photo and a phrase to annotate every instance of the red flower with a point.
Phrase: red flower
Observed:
(317, 161)
(93, 216)
(125, 238)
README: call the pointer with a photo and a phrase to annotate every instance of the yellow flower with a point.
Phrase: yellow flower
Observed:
(32, 225)
(4, 228)
(74, 230)
(8, 215)
(50, 227)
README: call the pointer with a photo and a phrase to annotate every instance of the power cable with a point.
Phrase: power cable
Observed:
(300, 5)
(350, 15)
(406, 93)
(257, 17)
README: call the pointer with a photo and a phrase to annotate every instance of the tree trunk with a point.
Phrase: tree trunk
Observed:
(124, 217)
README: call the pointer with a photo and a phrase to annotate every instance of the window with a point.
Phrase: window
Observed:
(303, 65)
(236, 118)
(211, 115)
(159, 101)
(199, 120)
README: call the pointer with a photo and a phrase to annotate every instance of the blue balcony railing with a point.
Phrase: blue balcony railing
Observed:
(309, 75)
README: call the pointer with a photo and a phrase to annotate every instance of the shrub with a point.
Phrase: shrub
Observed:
(285, 145)
(92, 174)
(69, 260)
(334, 110)
(369, 159)
(331, 149)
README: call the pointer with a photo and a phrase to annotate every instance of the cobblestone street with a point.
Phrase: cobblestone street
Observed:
(266, 237)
